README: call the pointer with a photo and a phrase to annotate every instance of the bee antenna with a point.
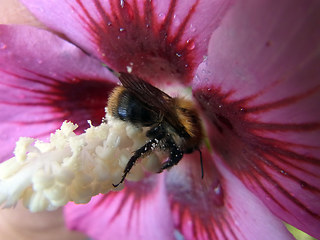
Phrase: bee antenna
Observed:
(201, 163)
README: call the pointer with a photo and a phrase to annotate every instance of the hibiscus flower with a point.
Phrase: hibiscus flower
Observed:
(253, 70)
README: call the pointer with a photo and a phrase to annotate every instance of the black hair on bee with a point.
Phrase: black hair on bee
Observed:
(175, 126)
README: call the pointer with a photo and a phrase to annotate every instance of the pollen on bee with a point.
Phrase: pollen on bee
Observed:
(129, 69)
(71, 167)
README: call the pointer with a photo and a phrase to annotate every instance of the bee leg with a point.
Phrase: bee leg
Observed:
(158, 134)
(137, 154)
(174, 157)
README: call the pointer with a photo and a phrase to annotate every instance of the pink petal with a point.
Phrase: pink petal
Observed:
(45, 80)
(153, 39)
(260, 91)
(218, 206)
(140, 211)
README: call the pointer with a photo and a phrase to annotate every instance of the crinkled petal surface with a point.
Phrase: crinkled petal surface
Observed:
(45, 80)
(218, 206)
(153, 39)
(140, 211)
(260, 91)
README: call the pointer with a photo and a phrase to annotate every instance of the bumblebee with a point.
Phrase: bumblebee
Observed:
(175, 126)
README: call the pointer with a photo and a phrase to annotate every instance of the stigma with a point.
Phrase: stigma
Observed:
(71, 167)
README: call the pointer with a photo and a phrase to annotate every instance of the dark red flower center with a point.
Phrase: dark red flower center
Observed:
(63, 98)
(143, 43)
(251, 150)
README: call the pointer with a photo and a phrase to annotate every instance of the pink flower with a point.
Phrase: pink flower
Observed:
(258, 89)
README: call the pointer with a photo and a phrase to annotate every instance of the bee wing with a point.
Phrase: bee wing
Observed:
(153, 97)
(148, 94)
